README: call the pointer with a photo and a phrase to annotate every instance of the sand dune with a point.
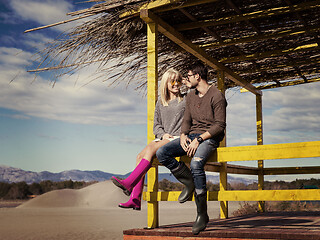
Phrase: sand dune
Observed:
(99, 195)
(88, 213)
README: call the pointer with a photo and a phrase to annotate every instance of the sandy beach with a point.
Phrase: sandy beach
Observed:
(89, 213)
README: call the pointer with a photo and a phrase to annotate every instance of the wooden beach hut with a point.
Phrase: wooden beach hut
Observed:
(254, 45)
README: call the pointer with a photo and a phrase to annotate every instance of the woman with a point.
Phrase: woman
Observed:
(167, 122)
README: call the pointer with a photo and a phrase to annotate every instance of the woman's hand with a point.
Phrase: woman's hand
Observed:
(184, 142)
(167, 136)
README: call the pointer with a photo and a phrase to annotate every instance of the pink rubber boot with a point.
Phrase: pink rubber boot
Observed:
(135, 198)
(127, 184)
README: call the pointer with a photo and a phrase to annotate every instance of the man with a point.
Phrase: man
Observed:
(202, 129)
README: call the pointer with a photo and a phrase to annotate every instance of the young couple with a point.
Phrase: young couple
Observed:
(192, 125)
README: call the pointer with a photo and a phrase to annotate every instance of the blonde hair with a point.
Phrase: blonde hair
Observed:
(164, 92)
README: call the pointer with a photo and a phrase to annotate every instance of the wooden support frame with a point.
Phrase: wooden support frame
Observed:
(251, 153)
(247, 16)
(223, 168)
(283, 33)
(223, 154)
(176, 37)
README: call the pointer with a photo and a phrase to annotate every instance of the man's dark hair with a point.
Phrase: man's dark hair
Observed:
(200, 69)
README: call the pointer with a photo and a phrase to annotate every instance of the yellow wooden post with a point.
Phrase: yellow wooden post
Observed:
(152, 71)
(261, 204)
(223, 169)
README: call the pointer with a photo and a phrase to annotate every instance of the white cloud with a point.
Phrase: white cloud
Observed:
(13, 57)
(241, 125)
(293, 112)
(43, 12)
(67, 101)
(290, 114)
(36, 40)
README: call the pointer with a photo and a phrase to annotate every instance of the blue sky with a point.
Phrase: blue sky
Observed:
(96, 127)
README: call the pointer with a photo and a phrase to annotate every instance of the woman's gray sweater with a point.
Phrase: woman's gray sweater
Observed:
(168, 119)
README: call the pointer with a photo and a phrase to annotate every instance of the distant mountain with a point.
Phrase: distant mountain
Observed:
(10, 174)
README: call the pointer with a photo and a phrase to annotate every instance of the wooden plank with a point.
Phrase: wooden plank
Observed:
(244, 195)
(237, 169)
(165, 5)
(177, 37)
(274, 53)
(270, 151)
(248, 16)
(233, 169)
(291, 170)
(280, 66)
(259, 121)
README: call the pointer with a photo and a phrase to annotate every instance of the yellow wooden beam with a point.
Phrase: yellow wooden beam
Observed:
(271, 195)
(177, 37)
(284, 84)
(165, 5)
(152, 94)
(274, 53)
(270, 151)
(248, 16)
(152, 76)
(244, 195)
(253, 38)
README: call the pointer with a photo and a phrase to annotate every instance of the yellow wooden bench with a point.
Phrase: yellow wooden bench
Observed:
(218, 163)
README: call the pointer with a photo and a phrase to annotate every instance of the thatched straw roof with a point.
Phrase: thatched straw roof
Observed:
(263, 42)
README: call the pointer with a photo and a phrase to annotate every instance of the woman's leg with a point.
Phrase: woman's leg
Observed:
(166, 155)
(134, 201)
(150, 150)
(143, 166)
(147, 153)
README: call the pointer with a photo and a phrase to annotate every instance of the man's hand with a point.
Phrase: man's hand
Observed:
(192, 148)
(184, 142)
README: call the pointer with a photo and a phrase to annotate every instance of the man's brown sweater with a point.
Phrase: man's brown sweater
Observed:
(207, 113)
